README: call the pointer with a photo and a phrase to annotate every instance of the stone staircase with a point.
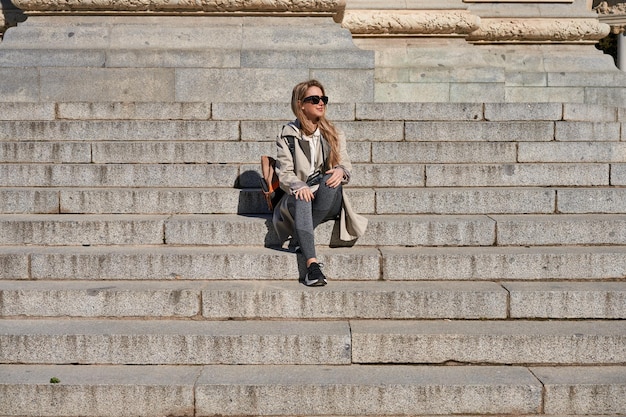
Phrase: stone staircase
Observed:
(139, 267)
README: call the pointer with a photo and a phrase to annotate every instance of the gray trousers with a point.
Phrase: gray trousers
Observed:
(308, 215)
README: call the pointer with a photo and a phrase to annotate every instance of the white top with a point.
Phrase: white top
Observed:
(314, 142)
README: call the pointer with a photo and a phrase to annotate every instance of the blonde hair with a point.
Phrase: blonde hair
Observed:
(328, 130)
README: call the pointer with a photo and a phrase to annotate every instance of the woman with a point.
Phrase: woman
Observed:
(312, 165)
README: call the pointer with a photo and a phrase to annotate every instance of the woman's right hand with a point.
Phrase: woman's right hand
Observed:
(305, 194)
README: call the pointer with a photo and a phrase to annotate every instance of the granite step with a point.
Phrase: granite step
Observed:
(249, 300)
(554, 264)
(232, 230)
(517, 342)
(174, 342)
(352, 390)
(269, 390)
(387, 200)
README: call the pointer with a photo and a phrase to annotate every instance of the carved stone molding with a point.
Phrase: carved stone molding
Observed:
(540, 30)
(613, 15)
(414, 22)
(330, 7)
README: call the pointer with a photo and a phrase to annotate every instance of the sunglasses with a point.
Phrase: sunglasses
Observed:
(316, 99)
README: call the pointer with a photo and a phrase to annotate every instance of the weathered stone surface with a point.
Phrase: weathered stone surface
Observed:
(583, 390)
(367, 300)
(27, 111)
(591, 200)
(443, 153)
(562, 229)
(92, 391)
(25, 201)
(19, 85)
(97, 299)
(373, 390)
(175, 342)
(535, 131)
(523, 111)
(572, 300)
(519, 175)
(80, 230)
(589, 113)
(38, 152)
(572, 152)
(488, 342)
(464, 200)
(119, 175)
(134, 111)
(418, 111)
(497, 263)
(587, 131)
(13, 264)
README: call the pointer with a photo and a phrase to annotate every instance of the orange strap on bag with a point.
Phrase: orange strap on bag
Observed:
(269, 181)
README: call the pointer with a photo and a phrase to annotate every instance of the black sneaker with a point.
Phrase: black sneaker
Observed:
(314, 276)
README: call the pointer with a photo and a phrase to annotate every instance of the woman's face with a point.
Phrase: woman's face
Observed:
(311, 111)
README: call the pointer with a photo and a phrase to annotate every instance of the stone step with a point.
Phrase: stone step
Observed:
(200, 175)
(165, 262)
(462, 200)
(290, 300)
(233, 230)
(260, 300)
(174, 342)
(354, 390)
(489, 342)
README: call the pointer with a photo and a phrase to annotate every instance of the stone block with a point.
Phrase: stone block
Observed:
(162, 201)
(618, 174)
(173, 58)
(278, 112)
(119, 175)
(351, 300)
(443, 152)
(25, 201)
(570, 229)
(587, 131)
(19, 85)
(545, 94)
(134, 111)
(92, 391)
(336, 85)
(407, 230)
(583, 78)
(239, 85)
(41, 152)
(180, 152)
(419, 111)
(498, 263)
(93, 299)
(192, 263)
(591, 200)
(397, 92)
(567, 300)
(525, 79)
(589, 113)
(373, 131)
(304, 59)
(583, 390)
(175, 342)
(372, 390)
(464, 201)
(575, 152)
(479, 78)
(14, 264)
(612, 96)
(493, 342)
(107, 84)
(80, 230)
(516, 175)
(123, 130)
(59, 58)
(505, 112)
(476, 92)
(27, 111)
(480, 131)
(387, 175)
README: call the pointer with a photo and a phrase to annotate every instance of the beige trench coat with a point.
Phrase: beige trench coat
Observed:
(292, 178)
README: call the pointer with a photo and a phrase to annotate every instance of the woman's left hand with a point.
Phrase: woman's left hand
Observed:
(336, 177)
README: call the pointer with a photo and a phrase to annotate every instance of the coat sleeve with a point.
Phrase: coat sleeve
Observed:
(285, 168)
(344, 159)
